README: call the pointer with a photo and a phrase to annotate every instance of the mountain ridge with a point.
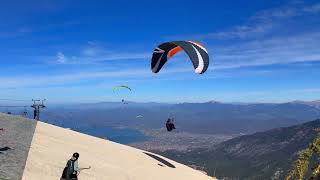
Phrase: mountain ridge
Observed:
(262, 155)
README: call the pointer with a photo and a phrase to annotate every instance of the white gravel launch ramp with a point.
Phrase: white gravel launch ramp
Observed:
(52, 146)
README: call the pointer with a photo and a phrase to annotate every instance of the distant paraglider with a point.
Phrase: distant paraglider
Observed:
(170, 125)
(196, 52)
(124, 102)
(139, 116)
(117, 88)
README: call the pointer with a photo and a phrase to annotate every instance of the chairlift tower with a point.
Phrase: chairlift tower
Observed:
(37, 105)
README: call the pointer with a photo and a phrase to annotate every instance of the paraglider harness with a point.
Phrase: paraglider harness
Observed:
(169, 125)
(69, 172)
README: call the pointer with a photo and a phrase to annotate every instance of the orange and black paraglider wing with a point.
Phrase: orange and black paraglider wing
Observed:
(196, 52)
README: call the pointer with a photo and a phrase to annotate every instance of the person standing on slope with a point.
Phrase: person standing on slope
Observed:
(71, 170)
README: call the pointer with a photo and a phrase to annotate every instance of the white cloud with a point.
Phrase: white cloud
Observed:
(61, 58)
(281, 50)
(142, 74)
(262, 22)
(95, 59)
(60, 79)
(248, 45)
(254, 49)
(94, 54)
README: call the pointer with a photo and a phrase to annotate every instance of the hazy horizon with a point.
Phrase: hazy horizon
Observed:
(27, 103)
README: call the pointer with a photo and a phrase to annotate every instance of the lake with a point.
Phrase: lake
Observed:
(121, 135)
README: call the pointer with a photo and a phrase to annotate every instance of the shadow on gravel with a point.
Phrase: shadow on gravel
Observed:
(160, 160)
(4, 149)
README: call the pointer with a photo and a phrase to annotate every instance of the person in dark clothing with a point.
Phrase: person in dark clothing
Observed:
(71, 171)
(34, 114)
(169, 125)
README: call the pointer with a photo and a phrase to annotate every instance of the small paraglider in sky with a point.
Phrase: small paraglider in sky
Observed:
(170, 125)
(196, 52)
(117, 88)
(139, 116)
(124, 102)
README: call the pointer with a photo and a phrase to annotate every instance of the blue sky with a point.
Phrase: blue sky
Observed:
(262, 51)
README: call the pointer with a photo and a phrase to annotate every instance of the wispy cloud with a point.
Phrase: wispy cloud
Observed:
(266, 39)
(61, 79)
(263, 22)
(95, 59)
(278, 50)
(61, 58)
(93, 54)
(281, 50)
(78, 77)
(252, 50)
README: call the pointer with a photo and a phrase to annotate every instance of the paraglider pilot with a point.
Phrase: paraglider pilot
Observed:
(71, 170)
(169, 124)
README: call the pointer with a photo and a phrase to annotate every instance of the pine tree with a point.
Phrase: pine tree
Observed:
(300, 166)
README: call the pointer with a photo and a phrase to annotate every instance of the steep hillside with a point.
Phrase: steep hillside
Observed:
(262, 155)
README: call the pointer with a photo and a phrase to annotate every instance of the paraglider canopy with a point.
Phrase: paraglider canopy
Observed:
(196, 52)
(139, 116)
(117, 88)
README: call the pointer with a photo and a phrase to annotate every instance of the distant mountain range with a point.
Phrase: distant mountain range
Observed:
(310, 103)
(210, 117)
(264, 155)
